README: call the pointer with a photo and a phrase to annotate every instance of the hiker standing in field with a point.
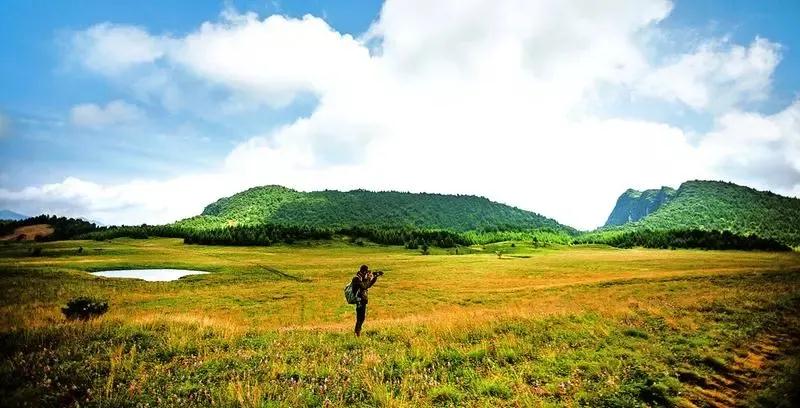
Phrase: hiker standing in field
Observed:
(359, 288)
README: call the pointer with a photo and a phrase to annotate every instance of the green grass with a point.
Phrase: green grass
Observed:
(574, 326)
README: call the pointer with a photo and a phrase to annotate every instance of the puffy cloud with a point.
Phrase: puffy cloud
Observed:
(94, 116)
(124, 203)
(758, 150)
(477, 97)
(113, 49)
(717, 76)
(272, 59)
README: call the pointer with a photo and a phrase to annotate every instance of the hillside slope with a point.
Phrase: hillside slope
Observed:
(11, 215)
(330, 208)
(715, 205)
(46, 227)
(633, 205)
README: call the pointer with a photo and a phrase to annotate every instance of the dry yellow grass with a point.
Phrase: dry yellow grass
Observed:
(29, 232)
(269, 325)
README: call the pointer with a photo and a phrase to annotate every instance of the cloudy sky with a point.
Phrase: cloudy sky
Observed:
(146, 111)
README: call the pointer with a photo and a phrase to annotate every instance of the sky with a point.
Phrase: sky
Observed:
(144, 111)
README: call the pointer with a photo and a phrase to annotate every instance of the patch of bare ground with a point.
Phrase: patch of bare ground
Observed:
(751, 370)
(28, 233)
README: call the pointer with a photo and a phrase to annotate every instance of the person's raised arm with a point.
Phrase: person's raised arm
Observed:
(372, 281)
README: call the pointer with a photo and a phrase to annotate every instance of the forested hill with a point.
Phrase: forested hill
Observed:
(633, 205)
(330, 208)
(714, 205)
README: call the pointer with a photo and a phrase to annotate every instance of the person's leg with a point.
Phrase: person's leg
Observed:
(361, 314)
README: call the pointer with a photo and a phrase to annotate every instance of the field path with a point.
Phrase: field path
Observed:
(751, 370)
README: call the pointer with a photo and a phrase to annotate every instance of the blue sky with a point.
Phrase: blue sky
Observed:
(39, 86)
(75, 131)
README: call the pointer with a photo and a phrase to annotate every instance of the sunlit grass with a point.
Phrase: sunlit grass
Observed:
(269, 325)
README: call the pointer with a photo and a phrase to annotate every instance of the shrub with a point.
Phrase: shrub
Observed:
(635, 333)
(84, 308)
(495, 389)
(445, 395)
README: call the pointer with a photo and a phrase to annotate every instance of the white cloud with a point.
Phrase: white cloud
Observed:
(476, 97)
(113, 49)
(718, 75)
(272, 59)
(95, 116)
(759, 150)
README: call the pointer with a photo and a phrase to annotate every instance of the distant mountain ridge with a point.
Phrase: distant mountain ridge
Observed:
(633, 205)
(714, 205)
(331, 208)
(11, 215)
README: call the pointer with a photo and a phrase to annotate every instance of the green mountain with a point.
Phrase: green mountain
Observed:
(330, 208)
(715, 205)
(633, 205)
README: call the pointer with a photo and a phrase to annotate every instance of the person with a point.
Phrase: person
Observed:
(363, 280)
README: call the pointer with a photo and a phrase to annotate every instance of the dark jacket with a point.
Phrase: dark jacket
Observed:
(361, 287)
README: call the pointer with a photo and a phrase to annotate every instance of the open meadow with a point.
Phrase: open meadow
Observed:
(561, 326)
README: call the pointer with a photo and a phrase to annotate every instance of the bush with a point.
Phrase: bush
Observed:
(425, 249)
(445, 395)
(84, 308)
(495, 389)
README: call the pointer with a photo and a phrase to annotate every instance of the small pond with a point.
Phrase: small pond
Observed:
(152, 275)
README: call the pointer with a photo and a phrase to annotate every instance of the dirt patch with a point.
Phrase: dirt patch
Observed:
(750, 371)
(28, 233)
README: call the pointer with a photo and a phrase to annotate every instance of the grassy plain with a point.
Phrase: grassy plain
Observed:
(577, 326)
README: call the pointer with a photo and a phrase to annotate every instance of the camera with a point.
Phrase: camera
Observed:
(377, 273)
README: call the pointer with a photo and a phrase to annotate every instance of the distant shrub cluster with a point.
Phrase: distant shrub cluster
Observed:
(254, 235)
(409, 237)
(693, 238)
(84, 308)
(143, 231)
(537, 237)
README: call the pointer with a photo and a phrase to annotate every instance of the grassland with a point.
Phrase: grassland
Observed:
(28, 232)
(578, 326)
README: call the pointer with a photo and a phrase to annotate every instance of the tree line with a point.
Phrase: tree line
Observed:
(688, 238)
(269, 234)
(412, 238)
